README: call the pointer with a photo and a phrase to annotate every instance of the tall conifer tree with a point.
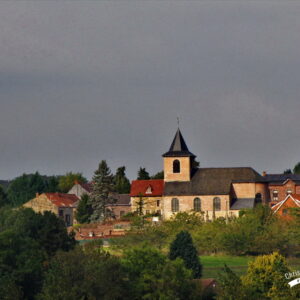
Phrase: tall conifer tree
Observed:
(184, 248)
(121, 181)
(101, 196)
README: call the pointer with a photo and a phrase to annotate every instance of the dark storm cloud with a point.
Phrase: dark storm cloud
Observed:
(82, 81)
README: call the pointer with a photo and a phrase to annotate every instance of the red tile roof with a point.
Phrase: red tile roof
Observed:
(62, 200)
(139, 187)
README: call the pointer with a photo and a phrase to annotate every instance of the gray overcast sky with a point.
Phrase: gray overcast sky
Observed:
(82, 81)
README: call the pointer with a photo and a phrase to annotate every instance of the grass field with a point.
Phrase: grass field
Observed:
(212, 265)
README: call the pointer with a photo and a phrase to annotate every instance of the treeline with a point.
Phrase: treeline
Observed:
(24, 188)
(257, 231)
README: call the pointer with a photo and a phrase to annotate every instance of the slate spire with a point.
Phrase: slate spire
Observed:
(178, 147)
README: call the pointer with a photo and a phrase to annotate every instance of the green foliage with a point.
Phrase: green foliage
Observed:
(184, 248)
(296, 169)
(3, 197)
(287, 171)
(231, 287)
(265, 280)
(122, 183)
(265, 277)
(158, 175)
(84, 210)
(27, 241)
(81, 274)
(101, 195)
(67, 181)
(25, 187)
(152, 276)
(143, 174)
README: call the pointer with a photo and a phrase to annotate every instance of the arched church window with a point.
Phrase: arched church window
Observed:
(175, 205)
(217, 204)
(176, 166)
(197, 204)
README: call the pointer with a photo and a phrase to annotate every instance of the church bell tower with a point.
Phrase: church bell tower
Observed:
(178, 160)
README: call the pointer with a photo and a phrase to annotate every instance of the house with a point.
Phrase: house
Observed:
(63, 205)
(121, 207)
(281, 185)
(79, 189)
(147, 195)
(283, 208)
(216, 192)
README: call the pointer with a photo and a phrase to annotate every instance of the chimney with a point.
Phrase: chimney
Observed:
(36, 195)
(76, 181)
(264, 173)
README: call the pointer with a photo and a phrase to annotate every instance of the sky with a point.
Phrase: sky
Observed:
(83, 81)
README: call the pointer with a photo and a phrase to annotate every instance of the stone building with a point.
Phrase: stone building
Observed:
(147, 195)
(216, 192)
(63, 205)
(119, 208)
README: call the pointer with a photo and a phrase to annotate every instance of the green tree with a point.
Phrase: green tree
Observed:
(3, 197)
(143, 174)
(266, 278)
(68, 180)
(184, 248)
(27, 241)
(122, 183)
(296, 169)
(84, 209)
(81, 274)
(21, 264)
(152, 276)
(101, 195)
(52, 183)
(231, 287)
(287, 171)
(24, 188)
(158, 175)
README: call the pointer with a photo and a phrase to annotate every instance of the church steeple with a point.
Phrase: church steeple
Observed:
(178, 147)
(178, 160)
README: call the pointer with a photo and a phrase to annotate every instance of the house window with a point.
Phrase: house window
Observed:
(258, 197)
(147, 212)
(157, 203)
(61, 213)
(197, 204)
(275, 195)
(68, 220)
(158, 212)
(288, 192)
(217, 204)
(176, 166)
(175, 205)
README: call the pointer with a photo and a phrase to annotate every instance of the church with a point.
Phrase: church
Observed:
(215, 192)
